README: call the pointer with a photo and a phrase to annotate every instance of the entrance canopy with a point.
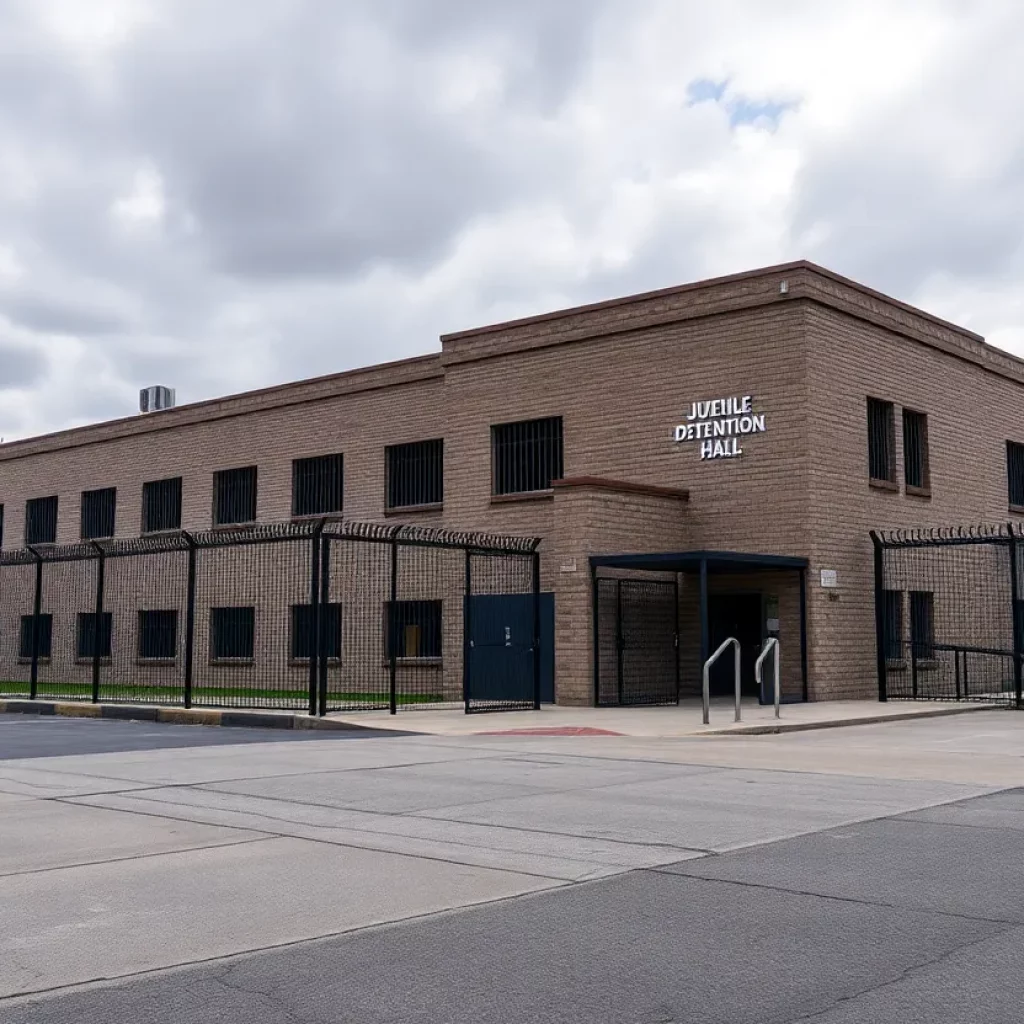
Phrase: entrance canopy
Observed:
(693, 561)
(658, 616)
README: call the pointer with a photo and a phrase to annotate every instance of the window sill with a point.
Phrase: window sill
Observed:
(510, 499)
(161, 533)
(105, 536)
(232, 662)
(28, 661)
(884, 485)
(304, 662)
(402, 510)
(312, 517)
(88, 661)
(156, 662)
(415, 663)
(919, 492)
(228, 527)
(1017, 509)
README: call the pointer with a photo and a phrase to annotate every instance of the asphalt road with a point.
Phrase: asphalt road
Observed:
(23, 736)
(660, 892)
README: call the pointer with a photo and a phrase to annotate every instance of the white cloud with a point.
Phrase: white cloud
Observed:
(218, 197)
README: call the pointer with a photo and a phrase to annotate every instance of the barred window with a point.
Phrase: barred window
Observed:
(318, 485)
(161, 505)
(45, 626)
(91, 641)
(232, 633)
(234, 496)
(41, 520)
(413, 629)
(302, 631)
(1015, 472)
(98, 513)
(526, 456)
(915, 449)
(893, 612)
(1, 526)
(158, 634)
(881, 441)
(922, 623)
(415, 473)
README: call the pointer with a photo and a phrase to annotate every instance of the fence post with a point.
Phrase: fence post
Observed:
(392, 637)
(1018, 641)
(37, 604)
(467, 642)
(325, 599)
(97, 622)
(314, 615)
(883, 693)
(190, 616)
(536, 631)
(620, 641)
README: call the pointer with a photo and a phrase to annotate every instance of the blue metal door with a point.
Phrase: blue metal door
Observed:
(501, 664)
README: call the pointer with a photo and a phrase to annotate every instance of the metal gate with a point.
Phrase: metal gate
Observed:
(637, 641)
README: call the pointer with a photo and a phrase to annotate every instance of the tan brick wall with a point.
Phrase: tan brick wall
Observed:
(621, 375)
(971, 411)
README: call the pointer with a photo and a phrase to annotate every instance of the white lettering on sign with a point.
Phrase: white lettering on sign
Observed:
(719, 424)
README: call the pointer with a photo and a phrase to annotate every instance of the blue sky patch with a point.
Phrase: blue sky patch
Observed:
(740, 109)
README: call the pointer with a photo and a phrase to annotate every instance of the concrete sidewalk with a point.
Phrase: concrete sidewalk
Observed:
(669, 722)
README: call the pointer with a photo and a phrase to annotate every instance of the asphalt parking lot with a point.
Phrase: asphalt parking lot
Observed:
(181, 874)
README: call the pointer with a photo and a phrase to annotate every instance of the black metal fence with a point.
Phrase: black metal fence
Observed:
(949, 614)
(319, 615)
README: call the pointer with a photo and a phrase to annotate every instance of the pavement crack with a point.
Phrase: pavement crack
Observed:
(903, 975)
(859, 901)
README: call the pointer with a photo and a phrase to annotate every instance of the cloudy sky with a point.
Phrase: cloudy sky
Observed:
(223, 194)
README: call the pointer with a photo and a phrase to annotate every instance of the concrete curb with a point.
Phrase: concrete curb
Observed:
(842, 723)
(228, 717)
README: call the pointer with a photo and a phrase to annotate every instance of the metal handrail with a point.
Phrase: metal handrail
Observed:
(707, 677)
(772, 643)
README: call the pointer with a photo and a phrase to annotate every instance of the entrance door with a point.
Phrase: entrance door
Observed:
(739, 616)
(501, 648)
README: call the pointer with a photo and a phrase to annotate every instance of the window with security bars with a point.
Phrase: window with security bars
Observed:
(526, 456)
(232, 633)
(881, 441)
(93, 642)
(158, 635)
(98, 513)
(922, 623)
(1015, 473)
(318, 485)
(302, 631)
(415, 473)
(41, 520)
(1, 526)
(45, 640)
(234, 496)
(893, 611)
(413, 629)
(161, 505)
(915, 450)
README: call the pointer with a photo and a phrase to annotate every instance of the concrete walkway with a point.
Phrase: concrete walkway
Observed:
(670, 722)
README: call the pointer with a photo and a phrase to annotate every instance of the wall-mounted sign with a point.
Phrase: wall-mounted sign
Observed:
(829, 579)
(568, 566)
(719, 424)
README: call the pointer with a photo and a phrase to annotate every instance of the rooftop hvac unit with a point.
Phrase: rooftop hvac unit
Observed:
(156, 398)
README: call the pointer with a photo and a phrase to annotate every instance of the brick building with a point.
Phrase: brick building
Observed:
(723, 448)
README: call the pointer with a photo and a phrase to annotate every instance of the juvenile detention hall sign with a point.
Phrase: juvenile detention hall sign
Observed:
(719, 424)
